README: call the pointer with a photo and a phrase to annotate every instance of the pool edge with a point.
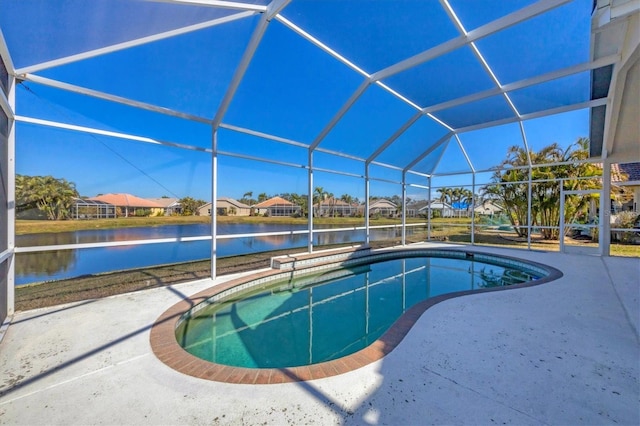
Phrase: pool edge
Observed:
(166, 348)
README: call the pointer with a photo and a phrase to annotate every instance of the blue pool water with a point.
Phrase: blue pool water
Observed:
(312, 319)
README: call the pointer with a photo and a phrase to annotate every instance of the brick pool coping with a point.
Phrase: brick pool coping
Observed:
(166, 348)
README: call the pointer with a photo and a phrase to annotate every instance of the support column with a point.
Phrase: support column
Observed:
(214, 204)
(11, 199)
(404, 208)
(310, 204)
(529, 191)
(429, 210)
(473, 208)
(7, 207)
(604, 218)
(366, 203)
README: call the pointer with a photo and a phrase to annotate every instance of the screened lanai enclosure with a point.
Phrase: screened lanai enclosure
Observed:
(456, 121)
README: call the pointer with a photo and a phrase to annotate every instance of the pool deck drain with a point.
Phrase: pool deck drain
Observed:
(562, 353)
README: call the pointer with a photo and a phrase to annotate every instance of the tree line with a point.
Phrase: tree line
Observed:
(321, 196)
(509, 188)
(55, 197)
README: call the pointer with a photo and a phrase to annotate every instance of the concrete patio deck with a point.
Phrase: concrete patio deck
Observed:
(565, 352)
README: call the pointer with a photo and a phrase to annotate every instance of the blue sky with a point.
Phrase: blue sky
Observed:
(291, 89)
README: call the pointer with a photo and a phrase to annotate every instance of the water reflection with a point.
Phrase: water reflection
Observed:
(43, 265)
(110, 235)
(55, 265)
(293, 322)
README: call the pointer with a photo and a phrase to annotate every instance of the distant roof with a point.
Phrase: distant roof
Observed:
(417, 204)
(126, 200)
(333, 202)
(382, 202)
(234, 202)
(165, 201)
(489, 205)
(437, 205)
(631, 170)
(273, 201)
(89, 202)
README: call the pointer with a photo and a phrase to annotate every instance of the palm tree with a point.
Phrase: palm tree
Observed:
(347, 199)
(445, 195)
(507, 186)
(467, 199)
(52, 196)
(246, 198)
(332, 203)
(455, 198)
(299, 200)
(262, 197)
(513, 196)
(319, 195)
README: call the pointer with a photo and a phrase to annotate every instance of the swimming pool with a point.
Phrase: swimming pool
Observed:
(305, 319)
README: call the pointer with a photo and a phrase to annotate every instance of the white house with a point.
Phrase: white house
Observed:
(382, 207)
(171, 205)
(442, 208)
(226, 207)
(489, 208)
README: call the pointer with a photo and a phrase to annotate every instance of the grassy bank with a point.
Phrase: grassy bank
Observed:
(47, 226)
(107, 284)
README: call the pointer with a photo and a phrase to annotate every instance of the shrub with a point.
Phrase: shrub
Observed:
(626, 220)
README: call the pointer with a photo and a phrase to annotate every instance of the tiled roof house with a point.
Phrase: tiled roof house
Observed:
(381, 207)
(226, 207)
(277, 206)
(171, 205)
(627, 175)
(335, 207)
(130, 205)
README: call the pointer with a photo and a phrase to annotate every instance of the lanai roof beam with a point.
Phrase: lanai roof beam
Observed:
(220, 4)
(499, 24)
(118, 135)
(432, 148)
(113, 98)
(272, 10)
(537, 114)
(131, 43)
(354, 97)
(510, 87)
(5, 55)
(485, 65)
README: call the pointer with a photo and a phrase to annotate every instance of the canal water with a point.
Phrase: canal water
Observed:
(61, 264)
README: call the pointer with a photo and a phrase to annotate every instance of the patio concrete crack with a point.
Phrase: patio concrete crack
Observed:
(538, 421)
(82, 376)
(624, 308)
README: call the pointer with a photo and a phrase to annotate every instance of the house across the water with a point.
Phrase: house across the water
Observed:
(128, 205)
(226, 206)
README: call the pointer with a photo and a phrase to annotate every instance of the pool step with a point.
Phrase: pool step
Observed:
(305, 260)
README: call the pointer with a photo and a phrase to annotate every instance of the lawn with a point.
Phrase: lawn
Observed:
(46, 226)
